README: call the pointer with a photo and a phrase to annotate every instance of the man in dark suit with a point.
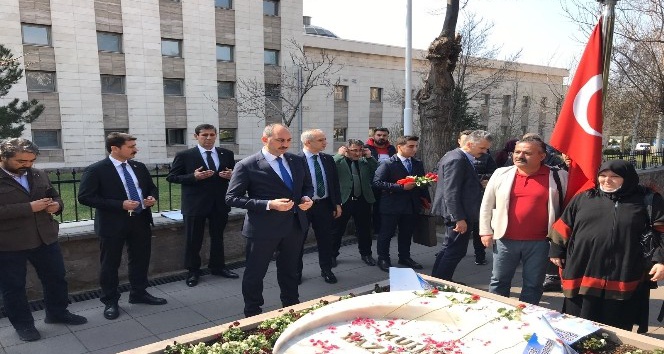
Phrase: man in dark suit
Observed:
(29, 233)
(204, 172)
(399, 203)
(327, 200)
(458, 199)
(276, 190)
(122, 192)
(355, 167)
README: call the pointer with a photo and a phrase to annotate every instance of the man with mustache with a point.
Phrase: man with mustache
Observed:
(275, 187)
(122, 192)
(520, 204)
(30, 234)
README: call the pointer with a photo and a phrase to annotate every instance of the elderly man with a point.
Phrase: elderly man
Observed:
(457, 200)
(30, 234)
(520, 204)
(327, 200)
(275, 188)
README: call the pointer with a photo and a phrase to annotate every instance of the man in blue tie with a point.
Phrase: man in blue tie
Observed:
(275, 187)
(122, 192)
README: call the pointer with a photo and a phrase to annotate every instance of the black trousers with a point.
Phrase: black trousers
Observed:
(259, 252)
(360, 211)
(321, 220)
(480, 250)
(194, 229)
(389, 223)
(137, 236)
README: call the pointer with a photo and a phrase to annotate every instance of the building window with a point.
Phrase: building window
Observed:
(40, 81)
(376, 94)
(109, 42)
(272, 91)
(36, 34)
(271, 57)
(226, 89)
(171, 48)
(112, 84)
(227, 136)
(341, 93)
(339, 134)
(224, 4)
(224, 52)
(173, 87)
(271, 7)
(175, 137)
(47, 139)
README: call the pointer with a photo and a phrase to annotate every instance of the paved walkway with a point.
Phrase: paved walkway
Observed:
(218, 300)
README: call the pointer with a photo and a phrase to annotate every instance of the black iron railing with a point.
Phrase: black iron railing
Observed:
(66, 182)
(641, 159)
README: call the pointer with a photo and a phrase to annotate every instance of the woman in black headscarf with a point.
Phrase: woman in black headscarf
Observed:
(596, 243)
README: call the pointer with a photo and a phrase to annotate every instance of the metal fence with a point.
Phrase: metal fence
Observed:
(640, 159)
(67, 184)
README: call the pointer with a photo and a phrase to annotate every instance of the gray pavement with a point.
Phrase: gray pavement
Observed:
(218, 300)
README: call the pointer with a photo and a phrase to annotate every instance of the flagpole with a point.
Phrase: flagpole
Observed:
(607, 45)
(408, 107)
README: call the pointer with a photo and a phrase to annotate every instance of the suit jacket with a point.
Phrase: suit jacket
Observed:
(394, 199)
(20, 227)
(254, 184)
(459, 190)
(200, 198)
(101, 188)
(331, 175)
(496, 201)
(367, 169)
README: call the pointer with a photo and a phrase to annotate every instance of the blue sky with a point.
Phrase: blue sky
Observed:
(539, 27)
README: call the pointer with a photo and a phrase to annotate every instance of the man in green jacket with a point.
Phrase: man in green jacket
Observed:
(355, 167)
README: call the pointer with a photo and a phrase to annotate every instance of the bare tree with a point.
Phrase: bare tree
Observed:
(278, 98)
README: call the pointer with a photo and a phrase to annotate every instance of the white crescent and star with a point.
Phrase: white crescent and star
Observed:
(582, 100)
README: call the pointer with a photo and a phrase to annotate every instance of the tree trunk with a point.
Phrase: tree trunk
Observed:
(436, 99)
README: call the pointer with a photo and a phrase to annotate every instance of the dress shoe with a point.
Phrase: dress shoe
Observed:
(334, 262)
(369, 260)
(146, 298)
(66, 318)
(28, 334)
(111, 311)
(384, 265)
(224, 272)
(480, 261)
(328, 276)
(192, 279)
(552, 284)
(410, 263)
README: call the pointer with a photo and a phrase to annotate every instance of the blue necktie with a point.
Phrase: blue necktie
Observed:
(284, 174)
(131, 187)
(408, 165)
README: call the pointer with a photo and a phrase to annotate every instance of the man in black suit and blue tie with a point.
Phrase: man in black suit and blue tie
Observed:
(204, 172)
(327, 199)
(399, 204)
(121, 191)
(458, 199)
(275, 188)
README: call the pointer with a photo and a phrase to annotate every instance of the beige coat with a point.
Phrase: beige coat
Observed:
(20, 228)
(496, 200)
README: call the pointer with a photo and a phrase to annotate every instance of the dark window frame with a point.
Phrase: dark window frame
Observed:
(231, 52)
(172, 40)
(341, 95)
(274, 11)
(180, 139)
(229, 2)
(227, 135)
(181, 84)
(29, 79)
(111, 92)
(49, 41)
(272, 52)
(58, 138)
(109, 34)
(219, 89)
(379, 91)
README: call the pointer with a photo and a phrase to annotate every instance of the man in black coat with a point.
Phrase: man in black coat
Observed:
(399, 203)
(327, 199)
(458, 198)
(204, 172)
(276, 190)
(122, 192)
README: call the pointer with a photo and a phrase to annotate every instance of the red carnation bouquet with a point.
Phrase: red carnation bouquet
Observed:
(420, 180)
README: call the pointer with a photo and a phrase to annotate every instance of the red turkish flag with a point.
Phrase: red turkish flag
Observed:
(578, 132)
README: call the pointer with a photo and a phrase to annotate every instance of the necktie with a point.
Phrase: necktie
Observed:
(357, 188)
(320, 184)
(409, 166)
(131, 187)
(210, 161)
(284, 174)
